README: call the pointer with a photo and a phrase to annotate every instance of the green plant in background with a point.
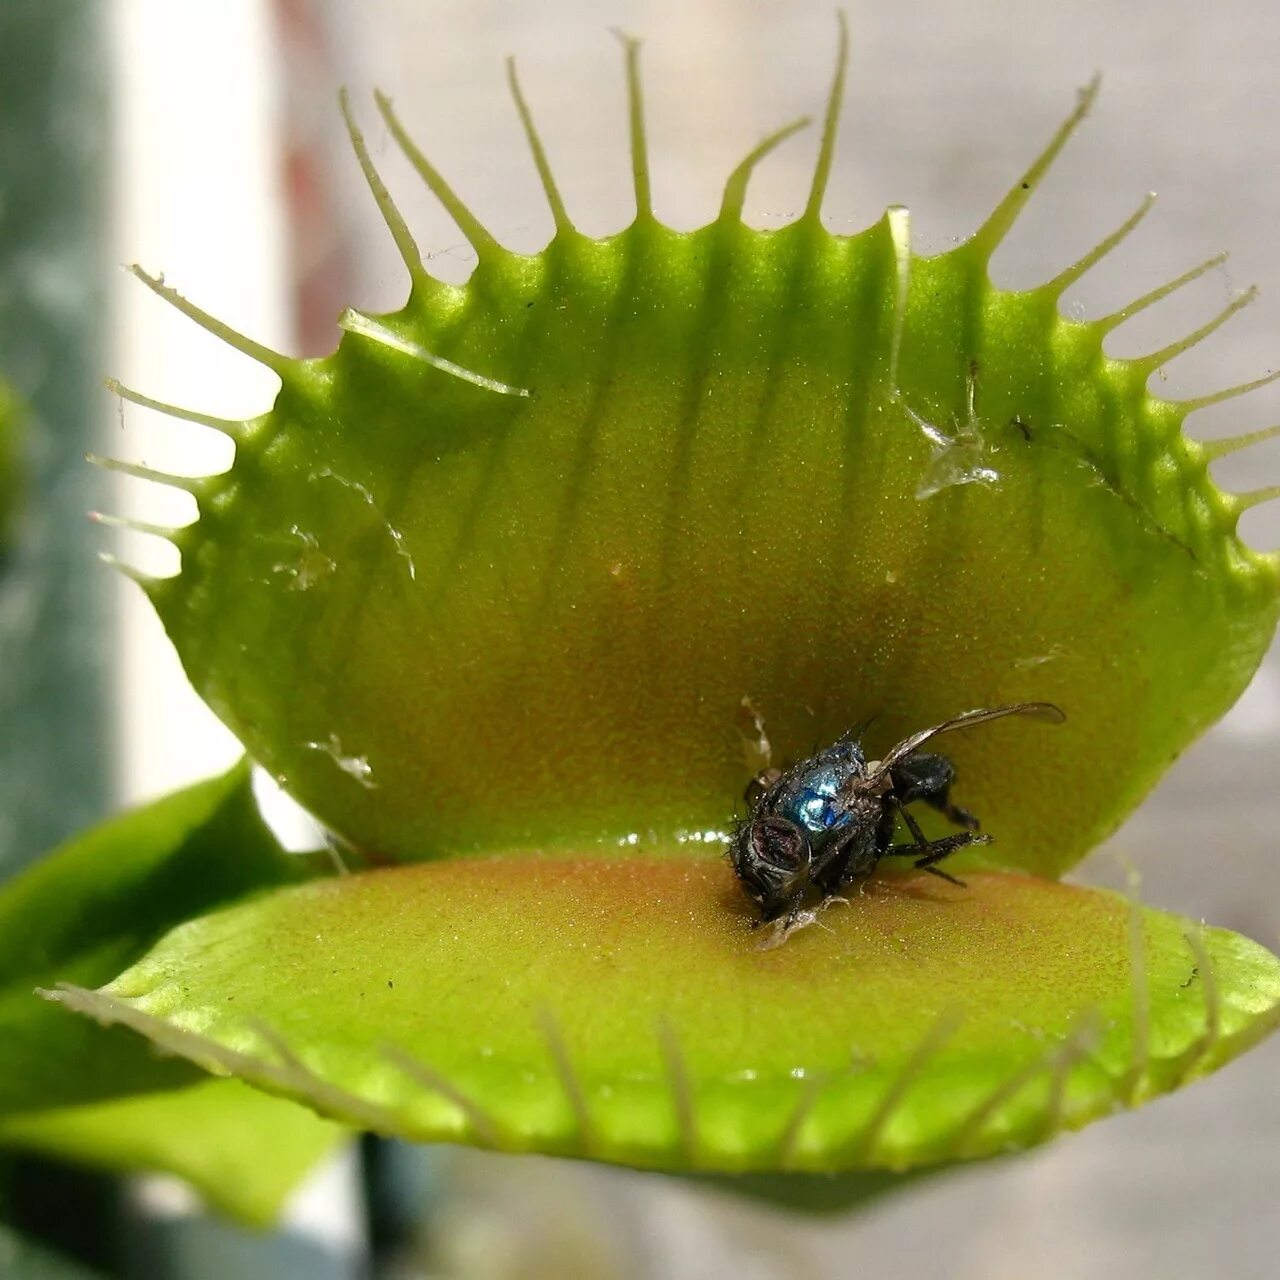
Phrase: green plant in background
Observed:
(512, 589)
(9, 479)
(88, 909)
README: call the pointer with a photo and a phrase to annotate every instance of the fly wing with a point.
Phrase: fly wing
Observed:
(1035, 710)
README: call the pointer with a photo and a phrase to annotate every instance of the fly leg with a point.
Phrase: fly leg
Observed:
(928, 853)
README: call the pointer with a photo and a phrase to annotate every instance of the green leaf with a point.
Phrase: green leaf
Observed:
(624, 1010)
(243, 1150)
(20, 1259)
(94, 905)
(501, 571)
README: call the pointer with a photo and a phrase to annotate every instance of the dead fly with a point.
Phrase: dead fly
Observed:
(826, 822)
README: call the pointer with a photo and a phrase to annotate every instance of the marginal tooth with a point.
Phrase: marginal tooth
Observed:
(134, 526)
(481, 239)
(410, 254)
(1212, 449)
(146, 581)
(1254, 497)
(227, 426)
(735, 188)
(564, 224)
(1165, 354)
(1107, 323)
(830, 124)
(1217, 397)
(1063, 281)
(273, 360)
(639, 142)
(986, 240)
(188, 484)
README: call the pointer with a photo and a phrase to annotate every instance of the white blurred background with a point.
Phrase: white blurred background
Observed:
(232, 177)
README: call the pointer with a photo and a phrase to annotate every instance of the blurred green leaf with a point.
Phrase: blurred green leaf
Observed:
(9, 474)
(20, 1259)
(243, 1150)
(93, 906)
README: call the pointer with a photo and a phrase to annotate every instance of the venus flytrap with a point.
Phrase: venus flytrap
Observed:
(489, 588)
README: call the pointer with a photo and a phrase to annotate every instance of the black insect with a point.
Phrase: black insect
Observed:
(826, 822)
